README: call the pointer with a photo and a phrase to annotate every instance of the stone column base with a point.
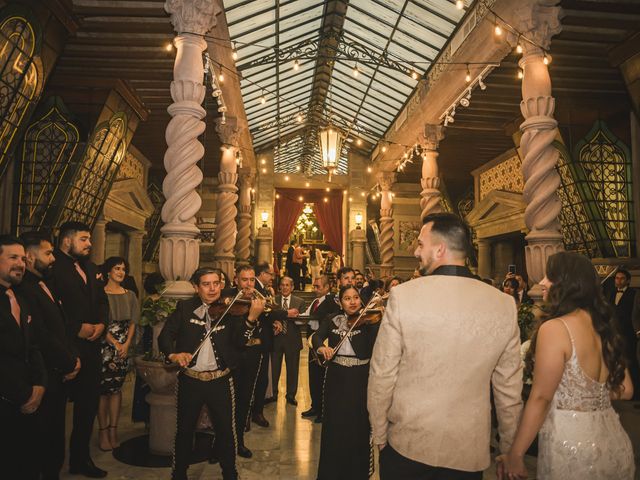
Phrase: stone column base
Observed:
(540, 246)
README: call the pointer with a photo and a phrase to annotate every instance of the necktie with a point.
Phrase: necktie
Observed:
(80, 272)
(315, 305)
(15, 307)
(46, 290)
(285, 303)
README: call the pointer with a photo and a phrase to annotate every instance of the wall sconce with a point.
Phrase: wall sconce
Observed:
(358, 220)
(265, 216)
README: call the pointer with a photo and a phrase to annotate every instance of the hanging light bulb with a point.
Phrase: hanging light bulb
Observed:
(355, 70)
(168, 47)
(519, 48)
(384, 149)
(263, 99)
(298, 168)
(369, 170)
(467, 77)
(520, 74)
(307, 184)
(221, 77)
(296, 65)
(234, 52)
(299, 117)
(459, 4)
(497, 29)
(359, 142)
(414, 75)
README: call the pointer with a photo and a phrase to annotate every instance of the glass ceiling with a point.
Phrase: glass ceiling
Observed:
(297, 59)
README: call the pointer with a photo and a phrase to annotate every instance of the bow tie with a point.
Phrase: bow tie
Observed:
(621, 290)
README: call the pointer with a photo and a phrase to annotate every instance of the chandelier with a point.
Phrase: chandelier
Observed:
(330, 140)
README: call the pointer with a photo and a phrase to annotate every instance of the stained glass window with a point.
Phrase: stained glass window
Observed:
(153, 224)
(97, 170)
(606, 164)
(20, 77)
(49, 145)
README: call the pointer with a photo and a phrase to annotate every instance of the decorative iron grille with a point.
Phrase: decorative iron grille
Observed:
(606, 164)
(96, 172)
(20, 76)
(153, 224)
(48, 149)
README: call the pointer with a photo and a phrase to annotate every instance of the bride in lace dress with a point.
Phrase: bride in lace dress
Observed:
(579, 368)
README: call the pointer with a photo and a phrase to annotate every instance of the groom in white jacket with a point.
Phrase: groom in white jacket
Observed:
(445, 340)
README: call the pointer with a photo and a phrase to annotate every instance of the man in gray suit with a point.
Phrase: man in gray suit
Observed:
(289, 342)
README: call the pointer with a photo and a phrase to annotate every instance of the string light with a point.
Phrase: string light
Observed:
(384, 149)
(355, 70)
(359, 142)
(414, 75)
(221, 77)
(298, 168)
(467, 77)
(351, 199)
(296, 65)
(497, 29)
(299, 118)
(234, 52)
(264, 170)
(369, 170)
(263, 99)
(459, 4)
(325, 199)
(362, 194)
(277, 195)
(328, 189)
(344, 192)
(263, 162)
(520, 74)
(301, 198)
(286, 178)
(307, 184)
(168, 47)
(519, 48)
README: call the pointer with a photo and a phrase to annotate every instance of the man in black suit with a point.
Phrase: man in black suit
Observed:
(60, 357)
(205, 378)
(79, 285)
(623, 300)
(288, 343)
(274, 318)
(22, 371)
(322, 308)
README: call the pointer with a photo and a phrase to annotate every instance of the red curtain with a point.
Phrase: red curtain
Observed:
(329, 214)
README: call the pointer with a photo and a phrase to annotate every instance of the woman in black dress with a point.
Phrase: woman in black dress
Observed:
(345, 448)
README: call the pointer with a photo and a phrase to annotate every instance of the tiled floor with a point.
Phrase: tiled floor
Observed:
(287, 450)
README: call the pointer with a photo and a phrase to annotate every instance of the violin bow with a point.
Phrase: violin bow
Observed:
(213, 327)
(376, 297)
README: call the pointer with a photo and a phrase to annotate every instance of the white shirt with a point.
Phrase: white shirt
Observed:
(315, 324)
(288, 302)
(206, 360)
(619, 294)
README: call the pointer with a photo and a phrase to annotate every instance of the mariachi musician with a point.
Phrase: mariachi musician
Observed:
(206, 365)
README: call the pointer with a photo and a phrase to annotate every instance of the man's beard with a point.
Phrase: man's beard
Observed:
(426, 269)
(78, 254)
(42, 269)
(15, 276)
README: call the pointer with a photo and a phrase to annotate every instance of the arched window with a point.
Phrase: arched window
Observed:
(48, 148)
(20, 76)
(606, 164)
(97, 171)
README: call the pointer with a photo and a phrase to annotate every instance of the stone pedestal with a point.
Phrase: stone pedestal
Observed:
(265, 245)
(162, 423)
(484, 258)
(99, 241)
(358, 240)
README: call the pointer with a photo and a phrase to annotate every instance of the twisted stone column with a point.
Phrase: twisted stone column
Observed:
(386, 181)
(540, 21)
(179, 246)
(226, 211)
(430, 181)
(243, 241)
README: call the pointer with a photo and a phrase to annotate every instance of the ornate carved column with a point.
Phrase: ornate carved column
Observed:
(226, 211)
(429, 140)
(134, 255)
(484, 258)
(243, 241)
(179, 249)
(99, 240)
(386, 181)
(539, 22)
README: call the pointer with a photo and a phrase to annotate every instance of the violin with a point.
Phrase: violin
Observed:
(240, 306)
(369, 317)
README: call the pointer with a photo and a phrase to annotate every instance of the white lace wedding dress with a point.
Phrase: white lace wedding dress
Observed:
(582, 437)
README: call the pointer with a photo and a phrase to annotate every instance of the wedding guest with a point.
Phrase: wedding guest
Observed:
(579, 366)
(124, 314)
(432, 369)
(80, 287)
(22, 370)
(623, 300)
(523, 286)
(60, 356)
(345, 449)
(510, 287)
(315, 262)
(392, 282)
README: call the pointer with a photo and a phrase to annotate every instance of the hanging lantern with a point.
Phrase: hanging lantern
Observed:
(330, 139)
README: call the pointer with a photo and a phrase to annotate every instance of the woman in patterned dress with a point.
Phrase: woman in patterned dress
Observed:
(124, 313)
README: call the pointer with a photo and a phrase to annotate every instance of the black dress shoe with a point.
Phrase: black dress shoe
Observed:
(260, 420)
(270, 400)
(89, 469)
(318, 419)
(309, 413)
(292, 401)
(244, 452)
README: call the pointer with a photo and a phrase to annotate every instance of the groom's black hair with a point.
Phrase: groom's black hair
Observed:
(453, 230)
